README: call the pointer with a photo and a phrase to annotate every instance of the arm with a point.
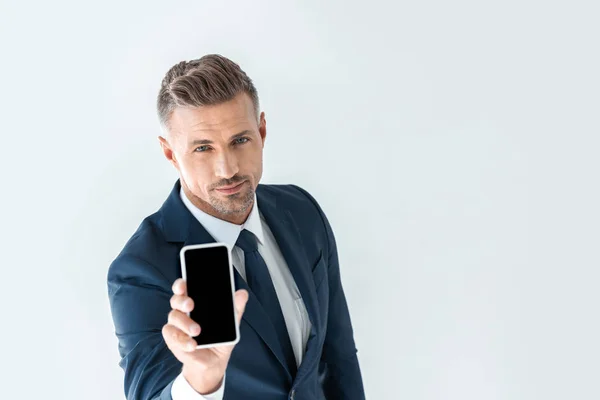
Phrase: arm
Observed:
(339, 362)
(139, 297)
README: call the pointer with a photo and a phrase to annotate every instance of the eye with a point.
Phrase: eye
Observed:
(245, 139)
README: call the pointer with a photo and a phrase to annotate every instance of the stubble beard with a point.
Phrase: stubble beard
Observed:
(238, 203)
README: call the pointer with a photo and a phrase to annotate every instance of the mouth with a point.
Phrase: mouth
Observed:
(231, 189)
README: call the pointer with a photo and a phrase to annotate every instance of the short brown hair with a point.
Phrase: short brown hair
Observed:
(209, 80)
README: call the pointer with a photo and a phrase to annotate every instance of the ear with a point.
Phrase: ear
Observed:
(262, 127)
(168, 152)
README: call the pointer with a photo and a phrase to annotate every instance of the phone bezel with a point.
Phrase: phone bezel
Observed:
(184, 276)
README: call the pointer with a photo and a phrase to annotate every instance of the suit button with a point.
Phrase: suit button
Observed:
(292, 394)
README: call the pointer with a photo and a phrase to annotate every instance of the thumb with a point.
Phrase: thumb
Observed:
(240, 301)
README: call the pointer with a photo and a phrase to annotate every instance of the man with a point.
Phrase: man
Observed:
(214, 137)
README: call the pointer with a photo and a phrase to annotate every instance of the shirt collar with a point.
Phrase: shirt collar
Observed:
(224, 231)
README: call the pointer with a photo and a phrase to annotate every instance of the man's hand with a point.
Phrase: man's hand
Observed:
(202, 368)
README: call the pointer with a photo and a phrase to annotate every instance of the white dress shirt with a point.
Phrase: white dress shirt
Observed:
(292, 305)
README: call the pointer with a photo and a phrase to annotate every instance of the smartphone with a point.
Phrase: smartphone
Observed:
(208, 273)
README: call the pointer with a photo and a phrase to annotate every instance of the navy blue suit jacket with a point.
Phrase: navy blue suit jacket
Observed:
(140, 283)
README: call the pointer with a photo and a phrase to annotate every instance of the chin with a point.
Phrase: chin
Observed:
(235, 204)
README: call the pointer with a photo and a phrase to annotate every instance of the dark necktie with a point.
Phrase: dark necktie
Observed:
(260, 282)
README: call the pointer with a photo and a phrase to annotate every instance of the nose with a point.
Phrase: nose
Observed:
(226, 165)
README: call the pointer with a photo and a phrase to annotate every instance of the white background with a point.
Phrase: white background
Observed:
(453, 146)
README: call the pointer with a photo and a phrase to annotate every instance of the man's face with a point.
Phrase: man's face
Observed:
(217, 146)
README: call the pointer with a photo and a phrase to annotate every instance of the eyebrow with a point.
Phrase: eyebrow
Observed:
(207, 141)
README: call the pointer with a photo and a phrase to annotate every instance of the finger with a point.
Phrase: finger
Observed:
(182, 303)
(180, 287)
(177, 340)
(183, 322)
(240, 301)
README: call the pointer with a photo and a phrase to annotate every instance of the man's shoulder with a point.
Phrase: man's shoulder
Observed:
(301, 205)
(290, 195)
(143, 250)
(147, 234)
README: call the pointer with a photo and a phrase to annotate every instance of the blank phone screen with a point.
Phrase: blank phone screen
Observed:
(209, 285)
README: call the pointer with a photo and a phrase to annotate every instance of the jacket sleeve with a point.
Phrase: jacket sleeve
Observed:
(139, 297)
(339, 368)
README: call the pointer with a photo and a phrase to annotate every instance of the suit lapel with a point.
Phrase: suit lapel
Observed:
(289, 240)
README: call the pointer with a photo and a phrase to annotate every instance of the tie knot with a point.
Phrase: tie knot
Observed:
(247, 241)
